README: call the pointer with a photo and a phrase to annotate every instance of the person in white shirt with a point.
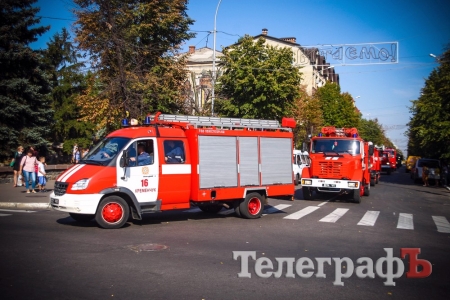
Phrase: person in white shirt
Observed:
(42, 180)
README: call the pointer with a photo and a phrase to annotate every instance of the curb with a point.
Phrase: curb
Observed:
(17, 205)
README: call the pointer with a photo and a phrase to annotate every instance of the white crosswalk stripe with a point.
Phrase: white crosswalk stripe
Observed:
(335, 215)
(275, 209)
(5, 215)
(302, 213)
(442, 224)
(405, 221)
(369, 218)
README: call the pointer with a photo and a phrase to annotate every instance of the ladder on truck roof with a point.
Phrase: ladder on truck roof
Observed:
(200, 121)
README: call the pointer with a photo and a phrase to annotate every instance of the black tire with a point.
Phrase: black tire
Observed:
(356, 196)
(377, 179)
(307, 193)
(252, 207)
(82, 218)
(238, 211)
(367, 190)
(372, 181)
(112, 212)
(210, 208)
(297, 179)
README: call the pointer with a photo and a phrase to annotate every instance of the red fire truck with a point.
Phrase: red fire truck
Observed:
(340, 164)
(389, 160)
(375, 165)
(175, 162)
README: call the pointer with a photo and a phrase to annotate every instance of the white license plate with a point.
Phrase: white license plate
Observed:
(329, 185)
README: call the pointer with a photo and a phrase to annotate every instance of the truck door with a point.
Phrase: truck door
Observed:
(141, 176)
(175, 173)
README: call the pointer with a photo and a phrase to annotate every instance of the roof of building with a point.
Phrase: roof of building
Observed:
(202, 55)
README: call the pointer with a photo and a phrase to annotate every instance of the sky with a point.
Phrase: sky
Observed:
(380, 91)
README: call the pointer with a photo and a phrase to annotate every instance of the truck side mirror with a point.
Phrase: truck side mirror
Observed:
(124, 160)
(371, 150)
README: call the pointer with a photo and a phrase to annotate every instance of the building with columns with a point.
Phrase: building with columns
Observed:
(314, 68)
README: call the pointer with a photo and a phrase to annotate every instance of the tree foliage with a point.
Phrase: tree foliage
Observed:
(258, 80)
(132, 46)
(308, 115)
(371, 130)
(429, 127)
(25, 112)
(68, 82)
(338, 108)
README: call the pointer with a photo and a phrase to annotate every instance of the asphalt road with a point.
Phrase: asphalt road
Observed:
(47, 255)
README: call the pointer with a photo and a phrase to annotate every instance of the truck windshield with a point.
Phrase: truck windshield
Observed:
(105, 152)
(336, 145)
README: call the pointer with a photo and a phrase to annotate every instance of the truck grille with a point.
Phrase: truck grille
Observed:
(60, 188)
(330, 169)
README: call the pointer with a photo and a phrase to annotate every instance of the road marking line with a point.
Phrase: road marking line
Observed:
(302, 213)
(275, 209)
(369, 218)
(334, 216)
(323, 203)
(226, 212)
(442, 224)
(405, 221)
(19, 211)
(4, 215)
(193, 210)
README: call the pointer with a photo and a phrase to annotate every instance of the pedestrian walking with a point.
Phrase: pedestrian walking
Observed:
(15, 164)
(77, 156)
(444, 174)
(42, 180)
(74, 151)
(27, 167)
(425, 173)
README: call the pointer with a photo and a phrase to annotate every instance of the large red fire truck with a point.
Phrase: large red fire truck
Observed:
(375, 165)
(340, 164)
(175, 162)
(389, 160)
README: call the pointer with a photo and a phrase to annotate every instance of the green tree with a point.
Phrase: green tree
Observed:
(258, 81)
(429, 127)
(371, 130)
(25, 111)
(308, 114)
(132, 46)
(68, 82)
(338, 108)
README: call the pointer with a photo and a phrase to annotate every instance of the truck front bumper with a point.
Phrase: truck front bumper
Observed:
(331, 185)
(71, 203)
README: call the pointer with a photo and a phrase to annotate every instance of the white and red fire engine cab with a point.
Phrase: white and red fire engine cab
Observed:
(175, 162)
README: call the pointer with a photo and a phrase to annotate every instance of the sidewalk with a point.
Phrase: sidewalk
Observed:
(17, 198)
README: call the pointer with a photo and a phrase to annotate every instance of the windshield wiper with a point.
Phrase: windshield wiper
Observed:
(91, 162)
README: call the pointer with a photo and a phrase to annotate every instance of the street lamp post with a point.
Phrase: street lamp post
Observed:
(214, 62)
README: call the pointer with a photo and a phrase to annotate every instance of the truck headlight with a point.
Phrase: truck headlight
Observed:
(353, 184)
(80, 185)
(306, 182)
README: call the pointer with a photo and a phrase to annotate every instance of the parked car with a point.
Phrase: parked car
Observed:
(411, 162)
(300, 161)
(433, 165)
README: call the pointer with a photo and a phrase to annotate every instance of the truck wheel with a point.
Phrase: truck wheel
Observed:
(357, 195)
(372, 181)
(82, 218)
(307, 193)
(367, 189)
(377, 179)
(237, 211)
(112, 212)
(210, 208)
(297, 179)
(252, 207)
